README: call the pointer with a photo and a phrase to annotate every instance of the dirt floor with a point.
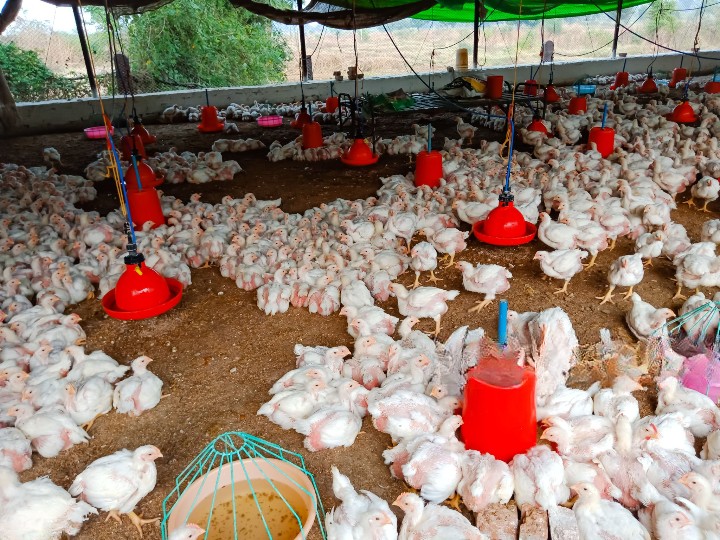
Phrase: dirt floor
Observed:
(218, 354)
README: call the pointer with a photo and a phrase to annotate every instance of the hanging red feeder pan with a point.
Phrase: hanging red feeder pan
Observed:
(359, 154)
(712, 87)
(132, 144)
(649, 86)
(577, 105)
(499, 414)
(312, 135)
(531, 87)
(141, 292)
(551, 95)
(683, 114)
(679, 74)
(622, 78)
(301, 119)
(209, 121)
(538, 125)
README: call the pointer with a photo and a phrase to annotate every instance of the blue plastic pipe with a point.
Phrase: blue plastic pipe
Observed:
(137, 172)
(124, 190)
(429, 145)
(604, 116)
(502, 323)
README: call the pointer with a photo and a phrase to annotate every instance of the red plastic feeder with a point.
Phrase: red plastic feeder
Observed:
(649, 86)
(301, 119)
(428, 170)
(141, 293)
(499, 408)
(145, 137)
(683, 114)
(359, 155)
(538, 125)
(145, 206)
(148, 179)
(551, 95)
(604, 139)
(312, 135)
(209, 121)
(679, 74)
(494, 87)
(577, 105)
(504, 226)
(531, 87)
(712, 87)
(128, 143)
(331, 104)
(622, 78)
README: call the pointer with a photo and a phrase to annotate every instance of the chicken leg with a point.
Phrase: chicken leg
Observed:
(433, 277)
(454, 502)
(629, 293)
(114, 514)
(608, 296)
(592, 262)
(564, 288)
(612, 243)
(452, 260)
(437, 325)
(648, 263)
(481, 304)
(705, 206)
(139, 522)
(417, 280)
(678, 293)
(691, 202)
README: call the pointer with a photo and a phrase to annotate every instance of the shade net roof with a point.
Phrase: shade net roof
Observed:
(348, 14)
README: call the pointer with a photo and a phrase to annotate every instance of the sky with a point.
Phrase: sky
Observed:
(59, 19)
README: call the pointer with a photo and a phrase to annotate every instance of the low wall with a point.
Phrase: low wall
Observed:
(49, 116)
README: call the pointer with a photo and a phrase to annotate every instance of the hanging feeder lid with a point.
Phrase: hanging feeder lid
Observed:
(649, 86)
(683, 114)
(301, 119)
(141, 293)
(145, 137)
(359, 155)
(538, 125)
(504, 226)
(148, 179)
(551, 95)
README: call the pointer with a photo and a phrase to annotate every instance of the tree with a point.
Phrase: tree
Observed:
(662, 16)
(205, 43)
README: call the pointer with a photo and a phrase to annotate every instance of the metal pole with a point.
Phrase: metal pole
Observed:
(476, 33)
(303, 53)
(84, 47)
(617, 28)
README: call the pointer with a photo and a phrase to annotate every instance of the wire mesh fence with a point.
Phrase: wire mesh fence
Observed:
(395, 49)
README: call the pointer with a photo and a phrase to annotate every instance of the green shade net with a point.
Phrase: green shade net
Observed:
(512, 11)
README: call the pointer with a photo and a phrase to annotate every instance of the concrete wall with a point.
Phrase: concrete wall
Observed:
(43, 117)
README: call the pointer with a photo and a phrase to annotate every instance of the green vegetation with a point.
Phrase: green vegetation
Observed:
(30, 79)
(206, 43)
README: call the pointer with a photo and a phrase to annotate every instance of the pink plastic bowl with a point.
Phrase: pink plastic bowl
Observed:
(270, 121)
(98, 132)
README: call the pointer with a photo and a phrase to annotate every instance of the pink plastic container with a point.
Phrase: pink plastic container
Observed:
(98, 132)
(270, 121)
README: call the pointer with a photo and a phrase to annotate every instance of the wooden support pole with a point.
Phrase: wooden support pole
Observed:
(476, 33)
(84, 47)
(303, 51)
(617, 28)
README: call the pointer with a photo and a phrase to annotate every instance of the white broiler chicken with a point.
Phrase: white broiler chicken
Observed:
(539, 478)
(700, 413)
(90, 400)
(707, 189)
(465, 130)
(568, 402)
(487, 279)
(485, 480)
(423, 302)
(582, 438)
(187, 532)
(287, 407)
(423, 259)
(329, 427)
(650, 245)
(447, 240)
(626, 271)
(50, 431)
(139, 392)
(118, 482)
(15, 450)
(407, 414)
(38, 510)
(360, 516)
(609, 402)
(556, 235)
(644, 320)
(433, 522)
(598, 518)
(434, 466)
(561, 264)
(710, 450)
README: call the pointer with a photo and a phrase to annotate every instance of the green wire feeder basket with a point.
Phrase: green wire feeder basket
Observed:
(241, 487)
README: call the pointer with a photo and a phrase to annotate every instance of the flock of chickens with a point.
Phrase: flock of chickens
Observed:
(346, 256)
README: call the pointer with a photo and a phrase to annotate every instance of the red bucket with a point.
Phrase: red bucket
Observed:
(622, 78)
(331, 104)
(577, 105)
(145, 206)
(312, 135)
(209, 121)
(712, 87)
(428, 170)
(499, 409)
(494, 87)
(604, 139)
